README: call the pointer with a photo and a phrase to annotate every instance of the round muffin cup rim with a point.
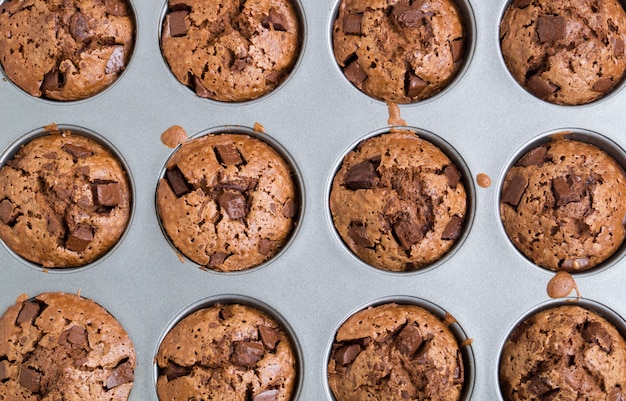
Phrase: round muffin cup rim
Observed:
(302, 37)
(11, 150)
(450, 152)
(77, 102)
(469, 24)
(591, 305)
(463, 340)
(591, 137)
(234, 299)
(276, 146)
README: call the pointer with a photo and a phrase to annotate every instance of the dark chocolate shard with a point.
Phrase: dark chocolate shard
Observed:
(115, 63)
(540, 87)
(109, 194)
(595, 333)
(409, 340)
(575, 264)
(413, 85)
(116, 7)
(28, 313)
(79, 27)
(347, 354)
(179, 184)
(534, 157)
(177, 23)
(352, 24)
(77, 151)
(358, 233)
(453, 174)
(269, 337)
(7, 212)
(173, 371)
(551, 28)
(79, 239)
(361, 176)
(457, 47)
(30, 379)
(228, 154)
(234, 203)
(514, 188)
(458, 376)
(453, 228)
(267, 395)
(355, 73)
(122, 374)
(247, 353)
(217, 259)
(568, 189)
(602, 85)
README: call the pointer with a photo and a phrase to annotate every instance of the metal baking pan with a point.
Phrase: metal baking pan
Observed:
(317, 116)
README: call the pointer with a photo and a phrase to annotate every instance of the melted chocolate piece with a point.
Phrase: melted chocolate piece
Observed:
(361, 176)
(234, 203)
(290, 209)
(77, 151)
(355, 73)
(228, 155)
(453, 228)
(408, 232)
(513, 190)
(122, 374)
(534, 157)
(109, 194)
(247, 353)
(267, 395)
(79, 239)
(177, 23)
(551, 28)
(618, 47)
(177, 182)
(409, 340)
(347, 353)
(352, 24)
(269, 337)
(602, 85)
(75, 336)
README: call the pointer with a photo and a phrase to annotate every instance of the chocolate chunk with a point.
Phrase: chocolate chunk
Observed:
(274, 77)
(458, 376)
(618, 47)
(568, 189)
(534, 157)
(177, 182)
(453, 228)
(538, 386)
(513, 190)
(361, 176)
(267, 395)
(355, 73)
(290, 208)
(574, 264)
(115, 7)
(408, 233)
(122, 374)
(30, 379)
(410, 13)
(358, 233)
(51, 155)
(409, 340)
(551, 28)
(79, 239)
(234, 203)
(521, 3)
(116, 62)
(174, 371)
(53, 80)
(109, 194)
(79, 28)
(347, 354)
(457, 47)
(217, 259)
(4, 370)
(247, 353)
(413, 85)
(77, 335)
(7, 215)
(199, 88)
(594, 332)
(28, 313)
(352, 24)
(77, 151)
(453, 174)
(275, 20)
(269, 336)
(177, 23)
(602, 85)
(540, 87)
(228, 154)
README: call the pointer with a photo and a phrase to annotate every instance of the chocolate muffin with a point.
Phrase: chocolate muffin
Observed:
(65, 50)
(228, 201)
(60, 346)
(65, 200)
(564, 353)
(565, 52)
(229, 50)
(399, 51)
(563, 205)
(398, 202)
(395, 352)
(226, 352)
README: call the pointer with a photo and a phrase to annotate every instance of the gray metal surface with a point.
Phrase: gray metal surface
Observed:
(316, 115)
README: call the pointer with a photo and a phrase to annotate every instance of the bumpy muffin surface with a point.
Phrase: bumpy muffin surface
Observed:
(398, 202)
(228, 201)
(65, 200)
(60, 346)
(65, 50)
(565, 52)
(564, 353)
(399, 50)
(563, 205)
(395, 352)
(227, 352)
(229, 50)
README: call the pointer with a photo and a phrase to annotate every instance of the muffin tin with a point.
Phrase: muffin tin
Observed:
(317, 116)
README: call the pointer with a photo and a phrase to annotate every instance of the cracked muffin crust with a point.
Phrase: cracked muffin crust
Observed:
(226, 352)
(65, 50)
(60, 346)
(398, 202)
(564, 353)
(395, 352)
(231, 50)
(565, 52)
(228, 201)
(399, 51)
(563, 205)
(64, 200)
